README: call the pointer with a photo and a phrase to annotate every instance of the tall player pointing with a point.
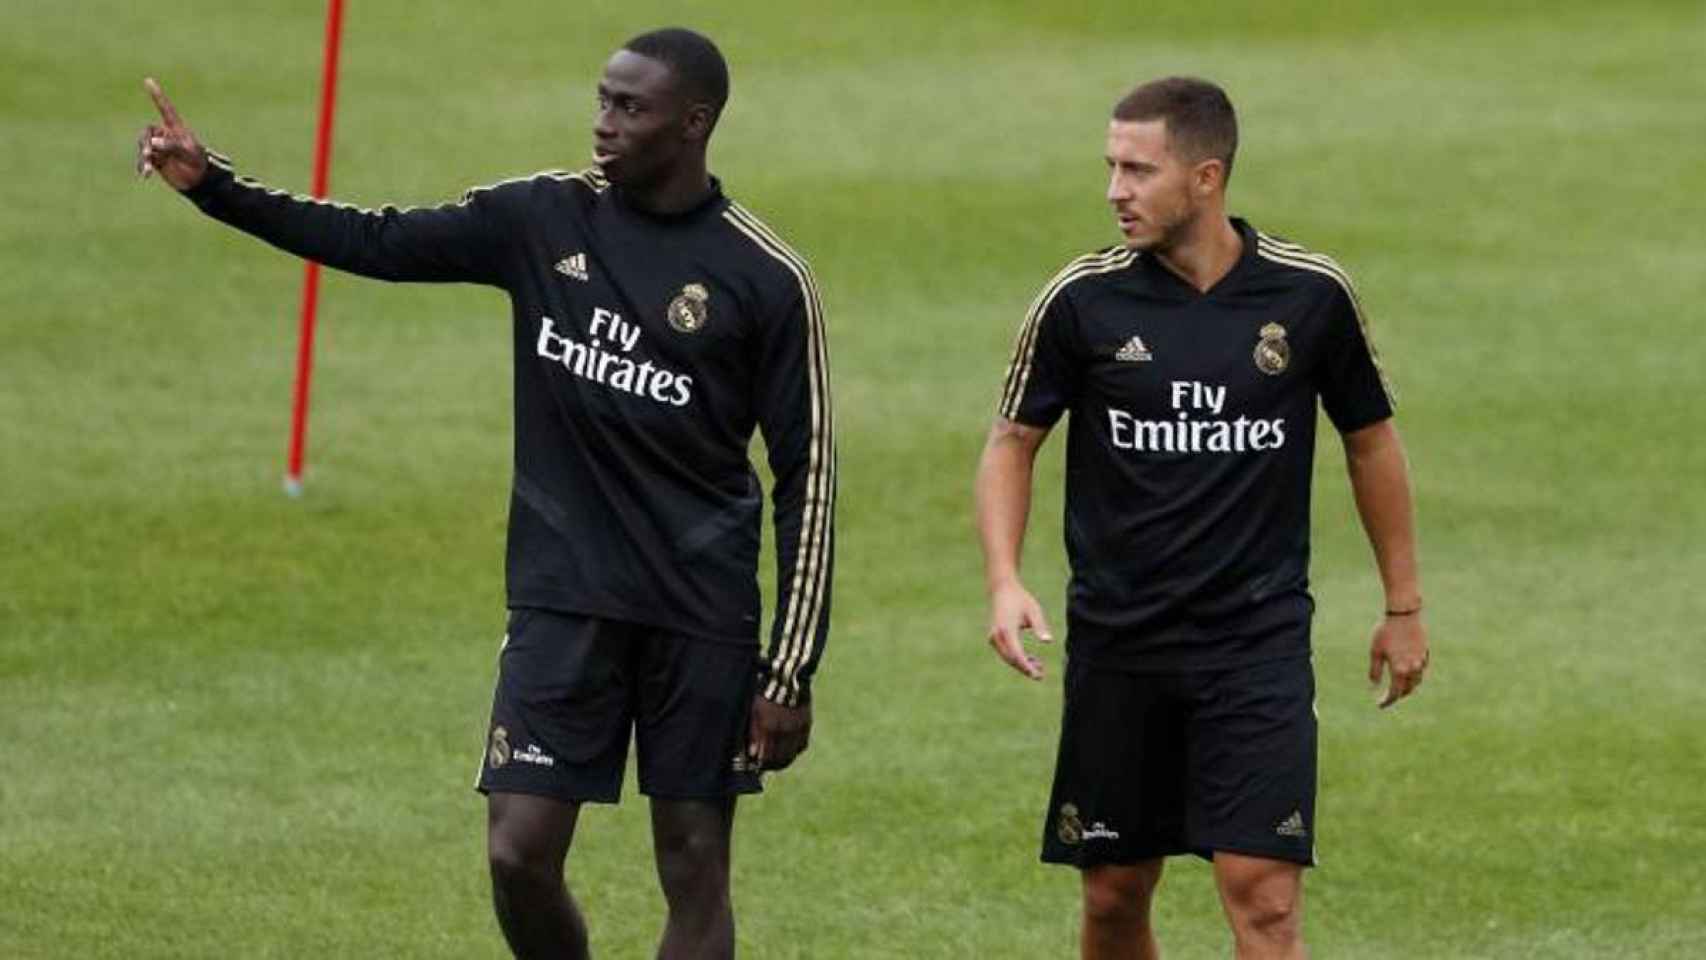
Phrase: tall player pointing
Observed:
(656, 324)
(1191, 359)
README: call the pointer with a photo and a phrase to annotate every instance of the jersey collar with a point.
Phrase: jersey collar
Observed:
(713, 202)
(1170, 281)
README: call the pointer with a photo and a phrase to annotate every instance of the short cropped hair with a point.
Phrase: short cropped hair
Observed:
(1199, 116)
(696, 62)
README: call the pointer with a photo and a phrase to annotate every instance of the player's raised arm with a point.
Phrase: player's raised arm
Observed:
(454, 242)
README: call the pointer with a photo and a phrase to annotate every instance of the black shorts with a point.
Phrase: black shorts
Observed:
(571, 689)
(1152, 765)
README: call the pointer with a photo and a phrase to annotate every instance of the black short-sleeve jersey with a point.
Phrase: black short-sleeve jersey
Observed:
(1191, 443)
(647, 350)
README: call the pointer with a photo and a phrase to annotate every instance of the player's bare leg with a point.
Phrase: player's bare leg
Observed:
(1116, 912)
(691, 841)
(527, 840)
(1264, 904)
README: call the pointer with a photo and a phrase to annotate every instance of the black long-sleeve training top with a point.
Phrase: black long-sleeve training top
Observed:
(647, 350)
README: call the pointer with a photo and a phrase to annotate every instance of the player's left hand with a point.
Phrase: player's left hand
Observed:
(169, 147)
(1399, 649)
(777, 734)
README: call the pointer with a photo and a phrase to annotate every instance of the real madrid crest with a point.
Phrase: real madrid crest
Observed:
(1070, 829)
(1272, 353)
(687, 312)
(500, 747)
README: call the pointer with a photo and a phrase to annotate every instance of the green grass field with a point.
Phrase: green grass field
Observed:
(234, 725)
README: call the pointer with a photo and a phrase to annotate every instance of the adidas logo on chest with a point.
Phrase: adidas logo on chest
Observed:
(1134, 351)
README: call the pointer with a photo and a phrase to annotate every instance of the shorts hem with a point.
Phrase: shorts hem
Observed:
(1208, 850)
(567, 794)
(1113, 858)
(739, 791)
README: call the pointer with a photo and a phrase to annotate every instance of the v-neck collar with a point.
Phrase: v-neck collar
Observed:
(1246, 236)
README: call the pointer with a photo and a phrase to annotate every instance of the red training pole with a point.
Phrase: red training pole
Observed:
(311, 276)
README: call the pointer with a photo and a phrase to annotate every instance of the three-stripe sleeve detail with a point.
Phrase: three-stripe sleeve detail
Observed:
(798, 639)
(1292, 255)
(1025, 347)
(591, 177)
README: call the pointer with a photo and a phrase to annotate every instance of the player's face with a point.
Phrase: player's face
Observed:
(641, 132)
(1151, 189)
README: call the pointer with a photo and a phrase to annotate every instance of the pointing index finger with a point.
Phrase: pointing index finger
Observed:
(168, 112)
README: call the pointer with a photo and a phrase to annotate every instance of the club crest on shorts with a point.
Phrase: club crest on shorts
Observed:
(1272, 353)
(687, 313)
(1069, 828)
(499, 751)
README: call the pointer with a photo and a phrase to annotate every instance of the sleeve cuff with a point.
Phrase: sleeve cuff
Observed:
(218, 174)
(1353, 424)
(779, 693)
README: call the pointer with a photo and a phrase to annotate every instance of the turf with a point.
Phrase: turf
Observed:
(237, 725)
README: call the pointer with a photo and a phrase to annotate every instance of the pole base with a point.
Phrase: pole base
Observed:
(293, 487)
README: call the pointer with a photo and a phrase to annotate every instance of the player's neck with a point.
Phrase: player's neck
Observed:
(682, 190)
(1207, 254)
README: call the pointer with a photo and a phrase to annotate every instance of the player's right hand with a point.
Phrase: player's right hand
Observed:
(168, 147)
(1012, 611)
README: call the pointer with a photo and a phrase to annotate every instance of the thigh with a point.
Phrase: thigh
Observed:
(562, 708)
(1253, 762)
(1118, 794)
(694, 705)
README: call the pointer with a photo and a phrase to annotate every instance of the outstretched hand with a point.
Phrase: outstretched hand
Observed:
(168, 147)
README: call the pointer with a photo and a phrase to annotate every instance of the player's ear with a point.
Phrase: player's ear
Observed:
(698, 122)
(1209, 176)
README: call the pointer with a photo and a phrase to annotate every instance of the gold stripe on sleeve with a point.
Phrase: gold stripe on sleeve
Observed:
(1024, 348)
(804, 612)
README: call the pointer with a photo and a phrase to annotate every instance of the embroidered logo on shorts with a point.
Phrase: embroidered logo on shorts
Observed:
(1272, 353)
(687, 312)
(1069, 828)
(535, 756)
(1100, 831)
(499, 751)
(1292, 826)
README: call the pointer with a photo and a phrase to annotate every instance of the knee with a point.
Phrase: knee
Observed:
(515, 862)
(1267, 913)
(697, 858)
(1118, 897)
